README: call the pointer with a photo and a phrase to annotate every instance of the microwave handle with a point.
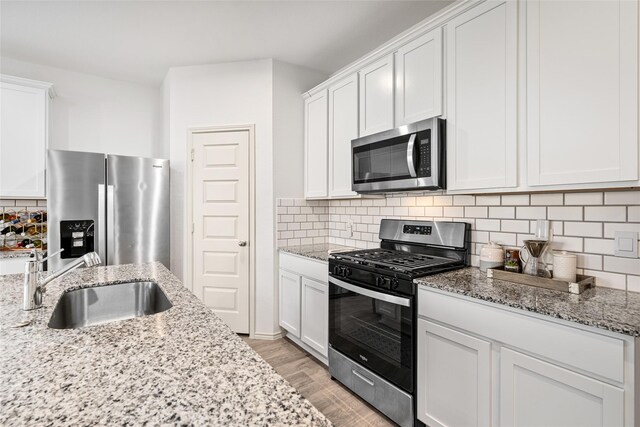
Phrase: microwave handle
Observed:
(410, 156)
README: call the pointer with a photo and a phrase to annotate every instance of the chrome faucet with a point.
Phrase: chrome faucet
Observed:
(34, 284)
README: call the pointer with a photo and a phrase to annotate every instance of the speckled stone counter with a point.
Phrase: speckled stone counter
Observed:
(14, 254)
(604, 308)
(183, 366)
(320, 251)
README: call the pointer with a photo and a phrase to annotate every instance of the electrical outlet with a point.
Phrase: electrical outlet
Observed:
(626, 244)
(350, 227)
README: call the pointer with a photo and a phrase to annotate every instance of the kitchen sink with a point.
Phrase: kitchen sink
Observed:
(101, 304)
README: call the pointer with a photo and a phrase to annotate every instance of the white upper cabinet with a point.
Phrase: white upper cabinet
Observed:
(24, 113)
(343, 127)
(418, 78)
(376, 97)
(582, 92)
(482, 97)
(315, 146)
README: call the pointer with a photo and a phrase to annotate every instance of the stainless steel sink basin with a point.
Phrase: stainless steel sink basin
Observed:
(108, 303)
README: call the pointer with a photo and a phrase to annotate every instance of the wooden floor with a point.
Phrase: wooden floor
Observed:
(311, 378)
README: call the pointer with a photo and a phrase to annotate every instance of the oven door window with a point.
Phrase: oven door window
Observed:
(377, 334)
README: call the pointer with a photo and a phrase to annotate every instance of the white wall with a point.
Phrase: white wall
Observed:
(219, 95)
(264, 93)
(91, 113)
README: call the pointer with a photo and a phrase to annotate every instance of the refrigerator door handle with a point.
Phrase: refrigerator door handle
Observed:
(110, 211)
(101, 229)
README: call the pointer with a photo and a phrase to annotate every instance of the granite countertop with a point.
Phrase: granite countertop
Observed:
(15, 254)
(182, 366)
(610, 309)
(320, 251)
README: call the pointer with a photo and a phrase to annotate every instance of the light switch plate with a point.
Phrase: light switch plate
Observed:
(626, 244)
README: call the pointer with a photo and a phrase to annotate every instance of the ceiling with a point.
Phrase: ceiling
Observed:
(139, 40)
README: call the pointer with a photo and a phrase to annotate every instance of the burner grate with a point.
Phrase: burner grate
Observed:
(398, 260)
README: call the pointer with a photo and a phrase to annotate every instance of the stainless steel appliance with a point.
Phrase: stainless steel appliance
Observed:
(410, 157)
(117, 206)
(372, 309)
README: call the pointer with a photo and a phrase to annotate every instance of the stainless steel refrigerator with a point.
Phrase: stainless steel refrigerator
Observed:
(117, 206)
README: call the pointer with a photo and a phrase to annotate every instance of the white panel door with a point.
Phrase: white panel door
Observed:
(582, 91)
(315, 146)
(419, 78)
(289, 302)
(537, 393)
(376, 96)
(481, 97)
(343, 127)
(454, 377)
(221, 224)
(315, 315)
(23, 129)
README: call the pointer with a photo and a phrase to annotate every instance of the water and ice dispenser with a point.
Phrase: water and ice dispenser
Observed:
(76, 238)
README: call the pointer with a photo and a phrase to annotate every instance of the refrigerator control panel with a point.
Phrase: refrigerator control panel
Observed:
(76, 237)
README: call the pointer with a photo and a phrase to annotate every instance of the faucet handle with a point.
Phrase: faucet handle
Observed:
(52, 255)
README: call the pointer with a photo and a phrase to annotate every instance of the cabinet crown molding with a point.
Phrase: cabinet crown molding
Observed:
(5, 78)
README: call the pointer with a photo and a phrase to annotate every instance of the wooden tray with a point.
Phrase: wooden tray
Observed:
(582, 282)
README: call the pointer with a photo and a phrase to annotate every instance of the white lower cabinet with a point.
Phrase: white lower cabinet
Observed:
(537, 393)
(12, 265)
(315, 315)
(290, 302)
(454, 377)
(304, 303)
(482, 364)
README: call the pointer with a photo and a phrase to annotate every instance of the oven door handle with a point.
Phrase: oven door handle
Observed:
(406, 302)
(411, 162)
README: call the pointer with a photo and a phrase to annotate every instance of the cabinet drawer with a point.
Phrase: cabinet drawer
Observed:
(314, 269)
(591, 352)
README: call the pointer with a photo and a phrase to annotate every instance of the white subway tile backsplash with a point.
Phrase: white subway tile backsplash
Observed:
(550, 199)
(515, 226)
(611, 228)
(476, 212)
(622, 265)
(502, 212)
(565, 213)
(583, 229)
(515, 199)
(605, 213)
(488, 224)
(583, 223)
(531, 212)
(622, 198)
(582, 199)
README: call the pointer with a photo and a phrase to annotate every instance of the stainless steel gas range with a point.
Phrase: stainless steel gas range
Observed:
(372, 309)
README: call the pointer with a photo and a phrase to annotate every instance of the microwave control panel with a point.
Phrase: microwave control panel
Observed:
(425, 158)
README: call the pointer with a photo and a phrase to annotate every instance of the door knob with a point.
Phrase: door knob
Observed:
(242, 243)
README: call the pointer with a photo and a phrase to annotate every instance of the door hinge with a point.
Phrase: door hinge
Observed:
(193, 227)
(193, 154)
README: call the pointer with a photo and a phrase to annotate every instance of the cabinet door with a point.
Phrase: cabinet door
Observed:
(343, 127)
(481, 97)
(454, 377)
(290, 302)
(419, 79)
(315, 145)
(315, 315)
(582, 91)
(537, 393)
(376, 97)
(23, 140)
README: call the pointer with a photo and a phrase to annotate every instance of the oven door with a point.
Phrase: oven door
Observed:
(374, 329)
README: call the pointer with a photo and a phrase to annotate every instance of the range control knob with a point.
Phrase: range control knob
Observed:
(346, 272)
(394, 283)
(336, 270)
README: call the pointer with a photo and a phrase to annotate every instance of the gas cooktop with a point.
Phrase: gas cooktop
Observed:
(396, 260)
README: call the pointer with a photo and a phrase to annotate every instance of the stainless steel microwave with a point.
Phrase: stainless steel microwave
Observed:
(410, 157)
